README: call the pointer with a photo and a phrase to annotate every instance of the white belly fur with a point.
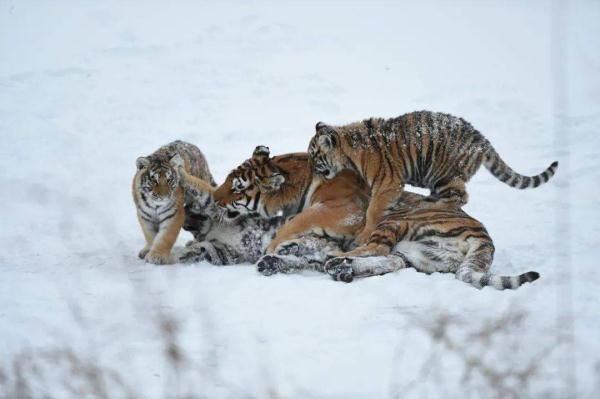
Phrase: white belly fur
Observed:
(449, 254)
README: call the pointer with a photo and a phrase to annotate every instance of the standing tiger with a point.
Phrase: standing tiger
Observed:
(425, 149)
(430, 237)
(161, 201)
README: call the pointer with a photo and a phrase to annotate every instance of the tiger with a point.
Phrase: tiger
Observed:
(161, 201)
(322, 215)
(430, 237)
(241, 237)
(426, 149)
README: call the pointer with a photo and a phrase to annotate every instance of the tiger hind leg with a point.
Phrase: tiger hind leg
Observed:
(292, 256)
(347, 268)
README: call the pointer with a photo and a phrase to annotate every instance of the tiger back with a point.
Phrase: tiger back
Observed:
(425, 149)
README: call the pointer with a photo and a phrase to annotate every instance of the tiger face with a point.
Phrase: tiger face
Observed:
(244, 187)
(158, 178)
(324, 152)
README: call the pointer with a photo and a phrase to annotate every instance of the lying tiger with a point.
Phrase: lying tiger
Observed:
(326, 214)
(428, 236)
(425, 149)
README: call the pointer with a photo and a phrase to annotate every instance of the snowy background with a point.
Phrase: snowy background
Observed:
(86, 87)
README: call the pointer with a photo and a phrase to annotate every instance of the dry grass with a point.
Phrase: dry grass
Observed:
(491, 358)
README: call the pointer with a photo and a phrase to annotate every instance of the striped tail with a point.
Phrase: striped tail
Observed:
(480, 280)
(506, 174)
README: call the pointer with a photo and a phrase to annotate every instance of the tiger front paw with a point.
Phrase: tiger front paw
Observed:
(268, 265)
(158, 258)
(340, 269)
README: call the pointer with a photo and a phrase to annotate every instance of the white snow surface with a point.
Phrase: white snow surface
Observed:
(86, 87)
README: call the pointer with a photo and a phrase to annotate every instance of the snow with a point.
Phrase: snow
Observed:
(87, 88)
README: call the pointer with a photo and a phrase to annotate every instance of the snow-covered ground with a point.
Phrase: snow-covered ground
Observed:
(87, 87)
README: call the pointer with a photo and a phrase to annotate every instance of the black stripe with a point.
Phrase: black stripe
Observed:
(536, 181)
(221, 254)
(149, 220)
(407, 262)
(436, 233)
(545, 176)
(256, 200)
(144, 213)
(303, 199)
(506, 282)
(525, 182)
(484, 280)
(167, 217)
(145, 200)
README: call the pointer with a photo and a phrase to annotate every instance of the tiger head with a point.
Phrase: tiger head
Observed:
(159, 177)
(244, 187)
(325, 153)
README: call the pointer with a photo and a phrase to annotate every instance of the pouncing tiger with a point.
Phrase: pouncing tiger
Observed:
(325, 214)
(426, 149)
(160, 199)
(430, 237)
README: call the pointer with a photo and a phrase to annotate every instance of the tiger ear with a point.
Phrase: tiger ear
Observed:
(325, 142)
(176, 161)
(261, 153)
(320, 125)
(271, 183)
(142, 162)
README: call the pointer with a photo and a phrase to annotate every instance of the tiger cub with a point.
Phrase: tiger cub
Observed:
(160, 199)
(326, 214)
(430, 237)
(425, 149)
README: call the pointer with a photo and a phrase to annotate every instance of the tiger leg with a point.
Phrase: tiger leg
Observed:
(160, 252)
(196, 182)
(453, 192)
(304, 253)
(347, 268)
(214, 252)
(381, 198)
(383, 239)
(273, 264)
(320, 220)
(149, 229)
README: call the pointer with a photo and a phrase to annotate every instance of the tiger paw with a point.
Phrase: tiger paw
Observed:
(158, 259)
(268, 265)
(142, 254)
(340, 269)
